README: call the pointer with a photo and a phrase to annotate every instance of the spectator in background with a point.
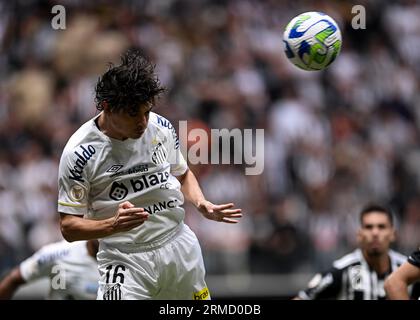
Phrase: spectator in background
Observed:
(397, 284)
(361, 274)
(71, 268)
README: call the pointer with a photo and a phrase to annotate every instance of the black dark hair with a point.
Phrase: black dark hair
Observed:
(129, 85)
(376, 208)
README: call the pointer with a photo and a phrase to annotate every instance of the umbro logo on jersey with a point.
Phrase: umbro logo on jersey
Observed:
(119, 191)
(114, 168)
(83, 156)
(135, 169)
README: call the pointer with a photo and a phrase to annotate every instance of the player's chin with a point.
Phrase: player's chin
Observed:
(375, 251)
(137, 134)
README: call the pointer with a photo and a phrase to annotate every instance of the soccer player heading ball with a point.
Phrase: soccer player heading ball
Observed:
(120, 180)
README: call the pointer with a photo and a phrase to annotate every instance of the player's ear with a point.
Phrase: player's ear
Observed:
(359, 235)
(105, 106)
(393, 235)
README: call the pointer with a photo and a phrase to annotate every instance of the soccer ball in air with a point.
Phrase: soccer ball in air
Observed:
(312, 40)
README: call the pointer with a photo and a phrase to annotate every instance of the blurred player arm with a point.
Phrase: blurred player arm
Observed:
(396, 286)
(192, 192)
(10, 283)
(322, 286)
(127, 217)
(32, 268)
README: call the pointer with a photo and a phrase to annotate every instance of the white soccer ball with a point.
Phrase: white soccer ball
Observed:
(312, 40)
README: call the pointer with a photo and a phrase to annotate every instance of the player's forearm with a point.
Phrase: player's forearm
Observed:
(75, 228)
(396, 289)
(10, 284)
(396, 286)
(191, 189)
(126, 218)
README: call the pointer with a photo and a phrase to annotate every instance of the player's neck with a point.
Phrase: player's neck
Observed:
(379, 263)
(104, 124)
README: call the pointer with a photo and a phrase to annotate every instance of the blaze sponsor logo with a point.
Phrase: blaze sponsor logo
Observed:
(202, 294)
(83, 154)
(166, 186)
(161, 205)
(146, 182)
(119, 190)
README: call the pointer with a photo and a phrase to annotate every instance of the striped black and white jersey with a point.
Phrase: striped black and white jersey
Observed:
(414, 258)
(351, 278)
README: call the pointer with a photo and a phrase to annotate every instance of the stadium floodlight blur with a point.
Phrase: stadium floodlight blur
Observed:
(334, 140)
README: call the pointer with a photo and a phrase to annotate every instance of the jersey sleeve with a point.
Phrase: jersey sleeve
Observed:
(325, 285)
(414, 258)
(73, 185)
(176, 159)
(41, 262)
(178, 164)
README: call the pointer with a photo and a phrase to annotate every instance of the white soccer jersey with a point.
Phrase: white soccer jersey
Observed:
(72, 271)
(97, 173)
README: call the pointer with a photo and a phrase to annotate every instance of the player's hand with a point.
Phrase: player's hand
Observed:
(128, 217)
(220, 212)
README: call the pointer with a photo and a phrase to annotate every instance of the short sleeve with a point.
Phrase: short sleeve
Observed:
(73, 185)
(178, 164)
(175, 158)
(414, 258)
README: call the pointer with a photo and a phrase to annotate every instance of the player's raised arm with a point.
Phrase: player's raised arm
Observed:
(127, 217)
(192, 192)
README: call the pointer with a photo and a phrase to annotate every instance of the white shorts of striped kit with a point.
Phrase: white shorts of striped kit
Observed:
(171, 268)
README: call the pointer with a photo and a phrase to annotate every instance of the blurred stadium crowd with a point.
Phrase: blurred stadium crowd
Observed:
(334, 140)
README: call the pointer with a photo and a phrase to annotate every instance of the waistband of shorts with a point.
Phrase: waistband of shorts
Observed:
(147, 246)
